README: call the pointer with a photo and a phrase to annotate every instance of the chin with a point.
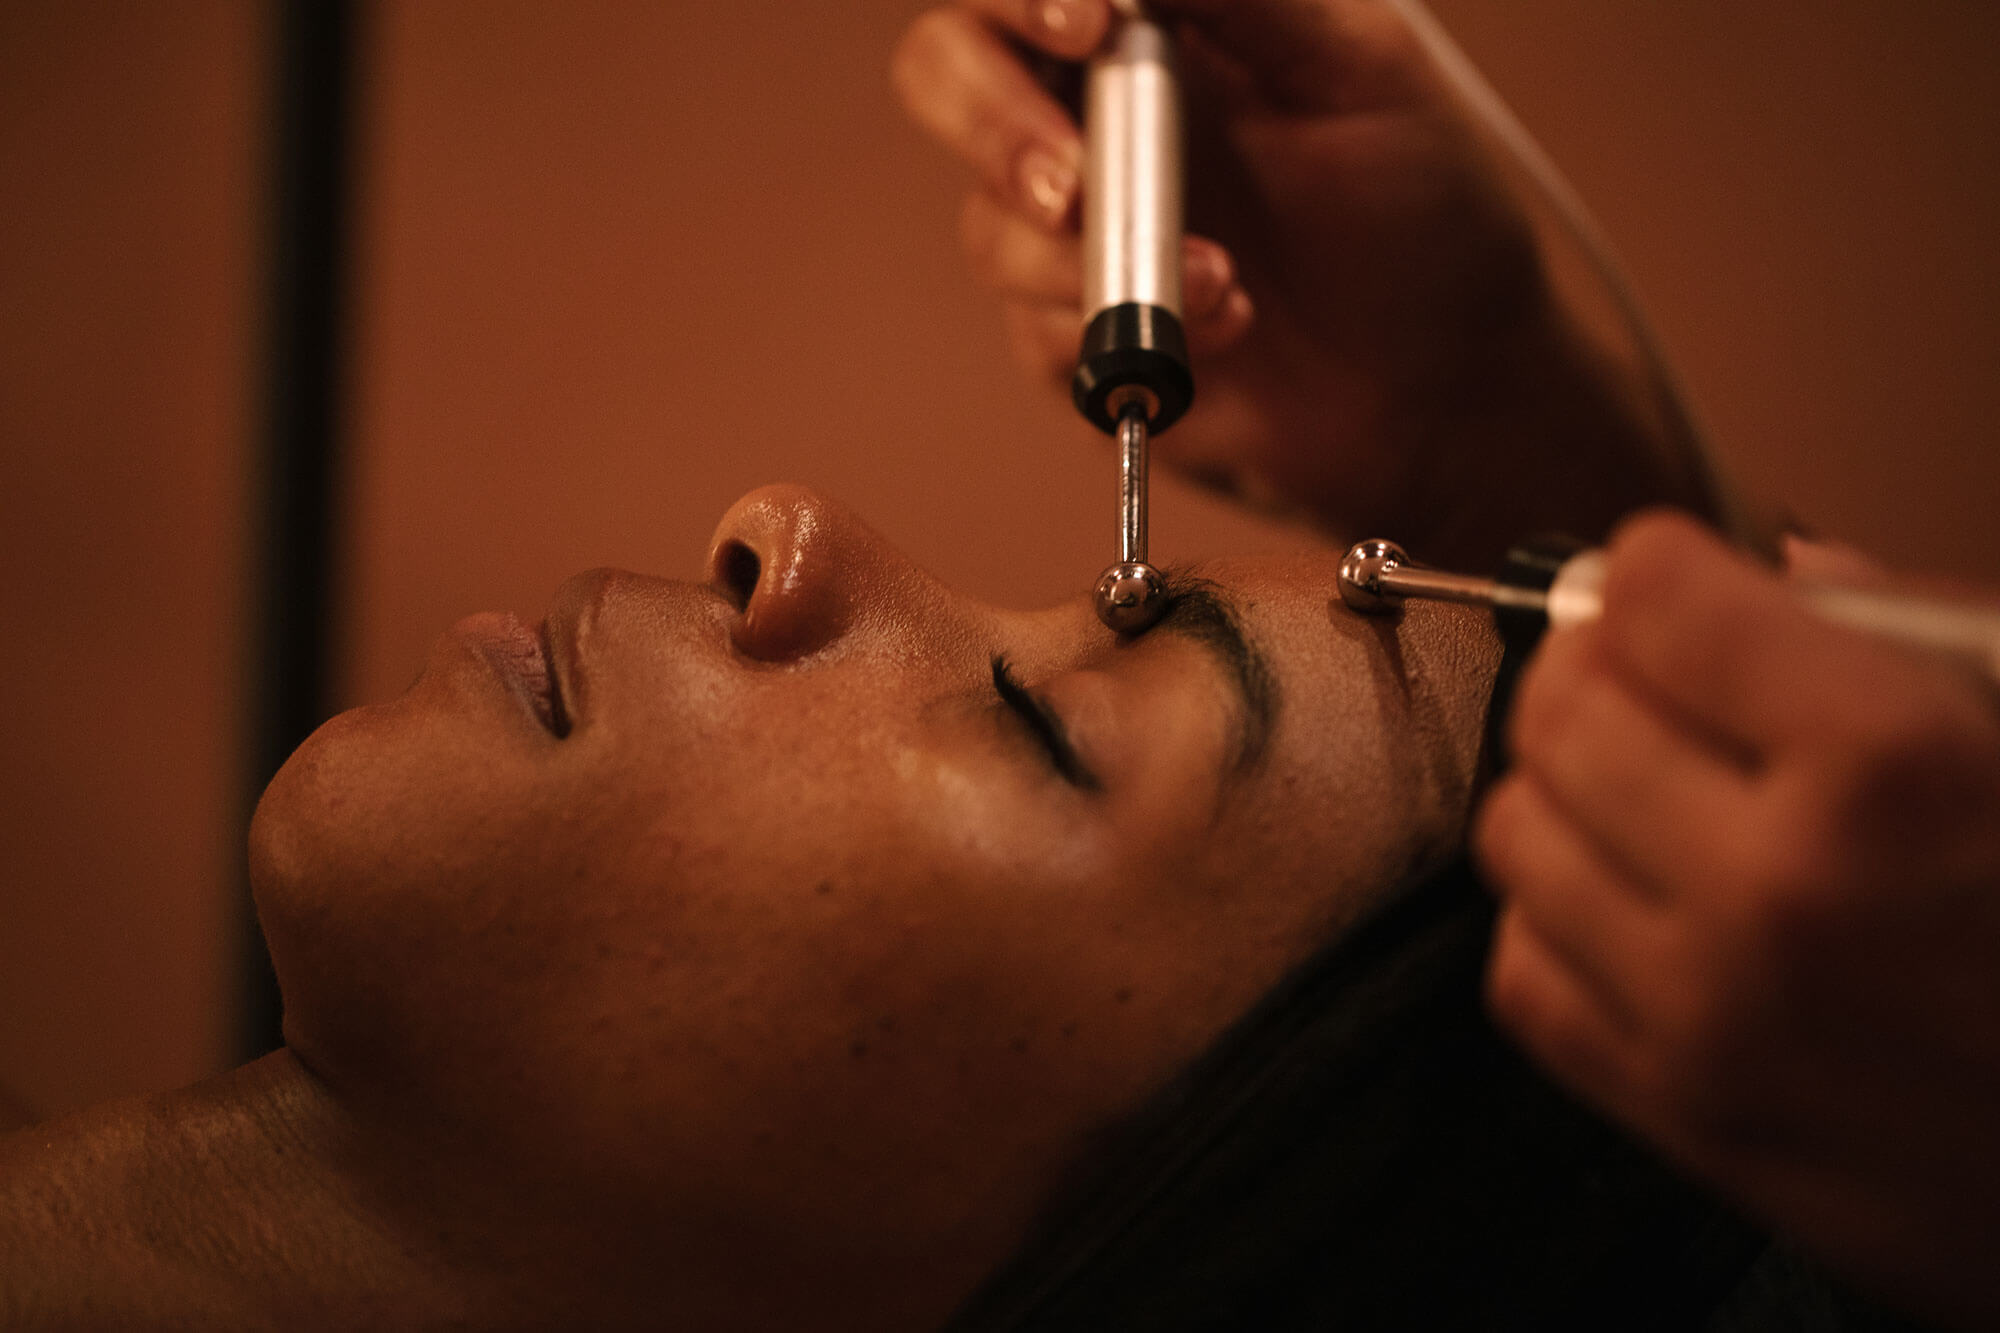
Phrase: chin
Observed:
(313, 792)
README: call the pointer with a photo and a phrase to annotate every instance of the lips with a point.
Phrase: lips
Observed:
(523, 661)
(551, 707)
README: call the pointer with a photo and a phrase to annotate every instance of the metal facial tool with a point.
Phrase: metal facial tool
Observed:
(1131, 594)
(1554, 582)
(1132, 379)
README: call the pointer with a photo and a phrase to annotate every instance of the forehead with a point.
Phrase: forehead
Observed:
(1290, 606)
(1377, 742)
(1290, 609)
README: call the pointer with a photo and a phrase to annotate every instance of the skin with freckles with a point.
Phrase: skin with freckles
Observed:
(799, 950)
(771, 969)
(1748, 913)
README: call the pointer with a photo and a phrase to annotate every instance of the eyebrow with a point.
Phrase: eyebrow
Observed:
(1200, 610)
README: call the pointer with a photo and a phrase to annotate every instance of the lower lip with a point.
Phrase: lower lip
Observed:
(514, 651)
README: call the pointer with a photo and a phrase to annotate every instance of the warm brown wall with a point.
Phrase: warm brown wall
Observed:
(625, 260)
(126, 229)
(1807, 192)
(632, 260)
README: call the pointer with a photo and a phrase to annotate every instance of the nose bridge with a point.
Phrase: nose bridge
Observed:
(820, 573)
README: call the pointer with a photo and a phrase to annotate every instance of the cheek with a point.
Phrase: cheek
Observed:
(872, 978)
(390, 856)
(773, 957)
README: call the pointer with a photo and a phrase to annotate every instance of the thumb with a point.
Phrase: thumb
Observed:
(1311, 55)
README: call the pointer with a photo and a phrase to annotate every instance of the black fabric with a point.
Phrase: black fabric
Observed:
(1364, 1151)
(1788, 1293)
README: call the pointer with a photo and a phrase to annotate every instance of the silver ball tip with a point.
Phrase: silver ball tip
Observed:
(1360, 577)
(1131, 597)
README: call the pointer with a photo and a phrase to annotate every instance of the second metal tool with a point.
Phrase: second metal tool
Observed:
(1553, 582)
(1132, 378)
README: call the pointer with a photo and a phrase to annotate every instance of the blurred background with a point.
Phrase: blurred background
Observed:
(596, 269)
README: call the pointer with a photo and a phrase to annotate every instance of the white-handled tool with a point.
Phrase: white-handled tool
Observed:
(1557, 584)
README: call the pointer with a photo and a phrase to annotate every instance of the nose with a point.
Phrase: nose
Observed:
(804, 573)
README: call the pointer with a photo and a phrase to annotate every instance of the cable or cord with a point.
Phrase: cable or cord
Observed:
(1575, 216)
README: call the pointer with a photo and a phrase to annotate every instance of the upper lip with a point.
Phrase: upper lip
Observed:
(572, 615)
(585, 606)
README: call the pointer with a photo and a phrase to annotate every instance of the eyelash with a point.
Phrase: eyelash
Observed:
(1046, 727)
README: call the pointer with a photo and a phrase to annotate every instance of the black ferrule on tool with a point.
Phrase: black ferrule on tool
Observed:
(1532, 566)
(1133, 345)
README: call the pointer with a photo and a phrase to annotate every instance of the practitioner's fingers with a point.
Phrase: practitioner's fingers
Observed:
(1606, 930)
(1046, 330)
(1046, 337)
(1559, 1018)
(1622, 771)
(1223, 324)
(1071, 29)
(958, 79)
(1725, 643)
(1022, 261)
(1017, 258)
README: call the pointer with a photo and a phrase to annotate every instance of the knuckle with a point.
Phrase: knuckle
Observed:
(1659, 603)
(1648, 558)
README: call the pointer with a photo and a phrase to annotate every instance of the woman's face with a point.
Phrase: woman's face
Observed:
(805, 918)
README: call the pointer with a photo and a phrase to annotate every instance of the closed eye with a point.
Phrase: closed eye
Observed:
(1045, 726)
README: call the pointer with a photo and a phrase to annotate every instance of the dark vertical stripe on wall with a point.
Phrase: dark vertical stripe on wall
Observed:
(311, 112)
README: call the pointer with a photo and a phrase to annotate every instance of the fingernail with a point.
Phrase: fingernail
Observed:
(1048, 182)
(1055, 16)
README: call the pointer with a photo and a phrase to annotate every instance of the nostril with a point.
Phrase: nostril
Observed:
(739, 569)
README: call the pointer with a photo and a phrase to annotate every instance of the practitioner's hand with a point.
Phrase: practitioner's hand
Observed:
(1363, 259)
(1750, 874)
(1375, 346)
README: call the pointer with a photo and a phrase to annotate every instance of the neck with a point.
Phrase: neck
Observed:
(230, 1205)
(256, 1201)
